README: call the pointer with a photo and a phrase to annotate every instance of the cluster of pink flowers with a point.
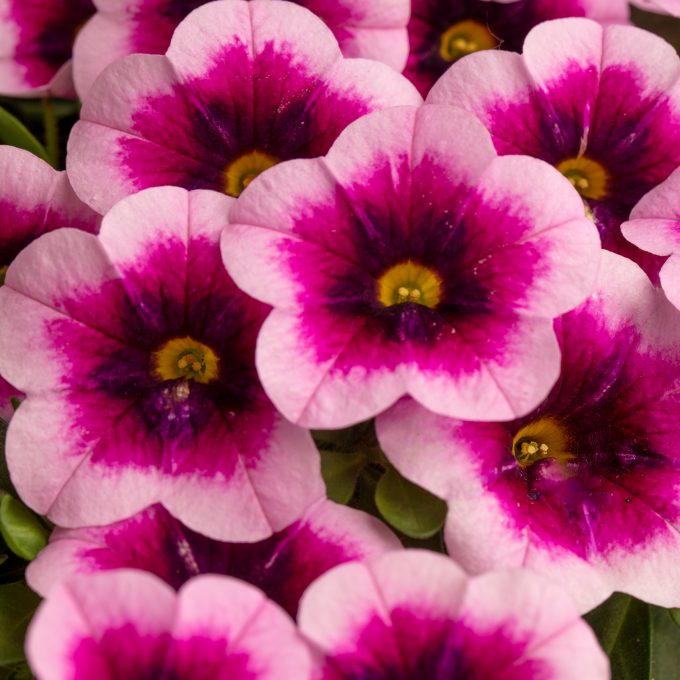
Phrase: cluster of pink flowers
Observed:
(280, 218)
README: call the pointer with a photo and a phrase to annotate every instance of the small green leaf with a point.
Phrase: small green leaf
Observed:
(675, 615)
(623, 627)
(340, 471)
(17, 604)
(20, 527)
(3, 558)
(15, 133)
(665, 644)
(408, 507)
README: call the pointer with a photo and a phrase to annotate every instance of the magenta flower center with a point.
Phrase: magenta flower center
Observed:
(245, 169)
(410, 282)
(465, 37)
(185, 358)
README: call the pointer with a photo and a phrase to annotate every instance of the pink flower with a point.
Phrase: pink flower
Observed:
(282, 566)
(414, 615)
(584, 488)
(654, 226)
(408, 261)
(662, 6)
(34, 199)
(136, 351)
(443, 31)
(244, 85)
(129, 624)
(600, 104)
(374, 30)
(36, 40)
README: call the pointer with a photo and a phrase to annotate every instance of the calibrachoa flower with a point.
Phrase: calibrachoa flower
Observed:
(36, 40)
(587, 486)
(374, 30)
(34, 199)
(282, 565)
(663, 6)
(443, 31)
(412, 261)
(600, 104)
(210, 115)
(654, 226)
(415, 615)
(129, 624)
(135, 349)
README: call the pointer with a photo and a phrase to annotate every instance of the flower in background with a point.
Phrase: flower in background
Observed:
(243, 86)
(374, 30)
(443, 31)
(600, 104)
(282, 566)
(587, 486)
(654, 226)
(136, 351)
(410, 261)
(34, 199)
(662, 6)
(415, 614)
(36, 41)
(129, 624)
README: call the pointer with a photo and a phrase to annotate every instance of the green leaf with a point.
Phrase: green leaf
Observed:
(18, 672)
(642, 641)
(675, 615)
(340, 471)
(623, 627)
(17, 604)
(665, 645)
(15, 133)
(20, 527)
(408, 507)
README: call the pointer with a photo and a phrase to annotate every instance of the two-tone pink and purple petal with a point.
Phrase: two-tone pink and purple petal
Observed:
(36, 42)
(654, 226)
(34, 199)
(415, 614)
(136, 351)
(602, 104)
(129, 624)
(444, 31)
(375, 30)
(392, 267)
(282, 566)
(588, 485)
(244, 85)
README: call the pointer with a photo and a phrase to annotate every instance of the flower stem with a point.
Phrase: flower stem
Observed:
(51, 127)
